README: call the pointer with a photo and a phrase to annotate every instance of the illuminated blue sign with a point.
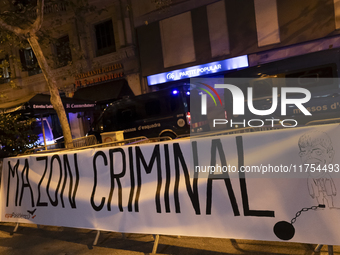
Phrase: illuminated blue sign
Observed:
(194, 71)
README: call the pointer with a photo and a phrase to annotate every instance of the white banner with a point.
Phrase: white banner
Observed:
(273, 185)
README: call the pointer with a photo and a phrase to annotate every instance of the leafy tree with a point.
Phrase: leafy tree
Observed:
(17, 25)
(21, 25)
(16, 136)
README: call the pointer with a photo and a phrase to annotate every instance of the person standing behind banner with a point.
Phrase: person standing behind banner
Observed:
(316, 152)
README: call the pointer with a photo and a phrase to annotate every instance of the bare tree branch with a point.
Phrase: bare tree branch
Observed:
(40, 15)
(16, 30)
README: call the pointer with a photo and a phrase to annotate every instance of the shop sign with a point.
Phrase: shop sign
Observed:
(103, 78)
(83, 80)
(199, 70)
(98, 71)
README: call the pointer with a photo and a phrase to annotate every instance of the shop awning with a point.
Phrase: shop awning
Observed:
(41, 104)
(105, 92)
(14, 105)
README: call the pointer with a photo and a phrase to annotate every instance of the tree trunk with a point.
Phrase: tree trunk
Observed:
(52, 85)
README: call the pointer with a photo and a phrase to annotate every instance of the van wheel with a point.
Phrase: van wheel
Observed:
(169, 134)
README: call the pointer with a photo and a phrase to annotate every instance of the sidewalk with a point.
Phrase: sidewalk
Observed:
(69, 241)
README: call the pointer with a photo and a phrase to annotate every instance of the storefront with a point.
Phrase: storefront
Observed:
(79, 113)
(103, 85)
(213, 69)
(209, 74)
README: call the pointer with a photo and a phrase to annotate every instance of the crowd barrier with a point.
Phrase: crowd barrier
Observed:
(87, 142)
(182, 145)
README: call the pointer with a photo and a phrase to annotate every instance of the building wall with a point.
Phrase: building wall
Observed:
(81, 32)
(216, 30)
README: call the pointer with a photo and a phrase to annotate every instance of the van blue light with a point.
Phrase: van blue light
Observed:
(195, 71)
(175, 92)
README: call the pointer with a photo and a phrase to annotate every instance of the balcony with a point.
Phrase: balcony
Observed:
(54, 8)
(50, 8)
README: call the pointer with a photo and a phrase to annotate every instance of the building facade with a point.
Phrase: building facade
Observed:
(93, 56)
(187, 34)
(129, 47)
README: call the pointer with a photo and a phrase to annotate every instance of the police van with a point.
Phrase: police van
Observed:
(162, 113)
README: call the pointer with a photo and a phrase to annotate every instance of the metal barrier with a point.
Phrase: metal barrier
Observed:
(47, 148)
(91, 141)
(236, 131)
(322, 122)
(131, 141)
(83, 141)
(186, 136)
(76, 143)
(156, 139)
(134, 140)
(256, 129)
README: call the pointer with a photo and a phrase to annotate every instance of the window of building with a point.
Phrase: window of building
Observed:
(29, 62)
(105, 38)
(63, 51)
(177, 40)
(5, 73)
(267, 23)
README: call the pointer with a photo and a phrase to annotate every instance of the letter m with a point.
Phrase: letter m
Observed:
(155, 157)
(12, 171)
